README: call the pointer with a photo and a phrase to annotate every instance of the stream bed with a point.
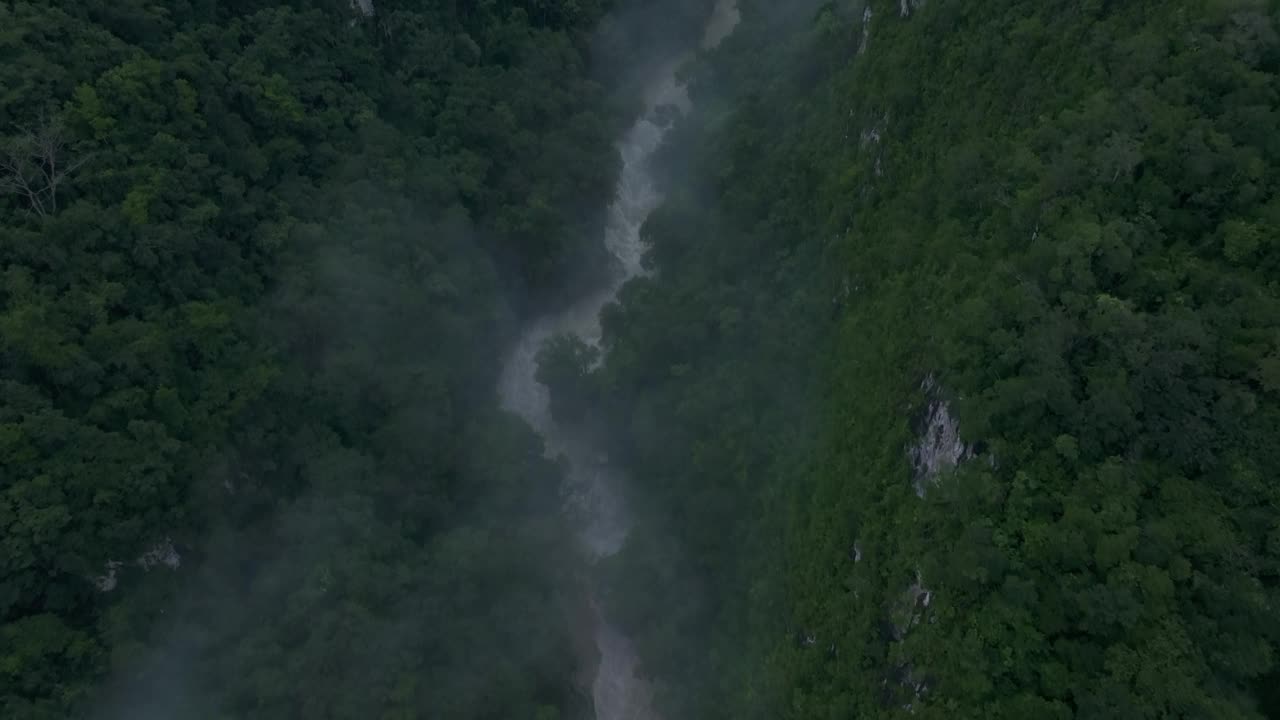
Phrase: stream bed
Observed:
(593, 494)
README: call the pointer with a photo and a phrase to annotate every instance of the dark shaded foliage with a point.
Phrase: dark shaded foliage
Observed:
(1066, 213)
(257, 325)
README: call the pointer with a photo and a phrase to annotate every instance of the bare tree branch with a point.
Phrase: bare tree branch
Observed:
(15, 166)
(33, 165)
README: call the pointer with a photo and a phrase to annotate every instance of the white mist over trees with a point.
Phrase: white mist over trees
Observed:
(261, 325)
(944, 381)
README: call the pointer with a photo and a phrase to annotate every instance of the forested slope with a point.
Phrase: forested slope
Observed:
(1052, 225)
(257, 261)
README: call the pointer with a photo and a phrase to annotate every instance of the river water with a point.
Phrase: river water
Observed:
(593, 492)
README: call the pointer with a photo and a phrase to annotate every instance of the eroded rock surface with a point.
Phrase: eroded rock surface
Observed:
(938, 446)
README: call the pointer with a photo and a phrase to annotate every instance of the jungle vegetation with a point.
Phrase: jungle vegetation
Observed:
(260, 260)
(1066, 215)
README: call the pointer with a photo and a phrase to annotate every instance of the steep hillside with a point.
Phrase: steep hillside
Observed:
(954, 392)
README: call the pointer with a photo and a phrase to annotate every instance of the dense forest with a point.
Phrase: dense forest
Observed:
(258, 262)
(1049, 228)
(953, 390)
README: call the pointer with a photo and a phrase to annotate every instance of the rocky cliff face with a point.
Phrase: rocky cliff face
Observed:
(938, 446)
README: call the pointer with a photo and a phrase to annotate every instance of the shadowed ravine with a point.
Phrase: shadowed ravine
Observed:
(593, 494)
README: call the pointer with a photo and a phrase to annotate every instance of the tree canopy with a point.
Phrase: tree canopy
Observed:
(259, 261)
(1058, 221)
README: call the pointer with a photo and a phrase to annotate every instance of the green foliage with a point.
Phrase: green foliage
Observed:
(1066, 214)
(257, 322)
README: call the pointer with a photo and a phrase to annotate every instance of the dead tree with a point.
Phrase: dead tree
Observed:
(33, 164)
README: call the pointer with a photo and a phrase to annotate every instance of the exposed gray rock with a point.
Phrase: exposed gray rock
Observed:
(909, 612)
(918, 685)
(364, 7)
(906, 6)
(910, 608)
(938, 446)
(162, 553)
(871, 137)
(866, 30)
